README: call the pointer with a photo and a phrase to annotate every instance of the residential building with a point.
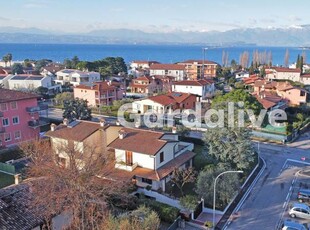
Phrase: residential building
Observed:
(305, 79)
(84, 137)
(250, 81)
(19, 117)
(142, 64)
(25, 82)
(199, 69)
(166, 103)
(294, 96)
(75, 77)
(146, 85)
(51, 70)
(149, 158)
(241, 74)
(99, 93)
(204, 88)
(282, 73)
(270, 100)
(173, 70)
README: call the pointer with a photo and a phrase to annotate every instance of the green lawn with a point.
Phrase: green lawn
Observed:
(270, 128)
(6, 180)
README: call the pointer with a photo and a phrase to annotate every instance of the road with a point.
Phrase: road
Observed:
(267, 203)
(56, 114)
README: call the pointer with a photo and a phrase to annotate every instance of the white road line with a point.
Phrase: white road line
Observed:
(284, 204)
(296, 161)
(287, 195)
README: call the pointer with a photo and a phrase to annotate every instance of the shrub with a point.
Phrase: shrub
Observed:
(165, 212)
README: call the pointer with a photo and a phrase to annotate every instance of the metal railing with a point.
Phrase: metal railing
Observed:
(38, 108)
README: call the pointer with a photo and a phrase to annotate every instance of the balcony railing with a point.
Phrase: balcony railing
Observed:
(37, 123)
(36, 109)
(2, 130)
(124, 166)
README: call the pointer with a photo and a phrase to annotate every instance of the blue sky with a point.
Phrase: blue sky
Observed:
(149, 16)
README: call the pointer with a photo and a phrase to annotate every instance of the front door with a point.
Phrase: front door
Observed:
(128, 158)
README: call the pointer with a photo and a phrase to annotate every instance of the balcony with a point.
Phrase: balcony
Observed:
(124, 166)
(2, 130)
(37, 123)
(36, 109)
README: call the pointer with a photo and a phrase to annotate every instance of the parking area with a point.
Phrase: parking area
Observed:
(301, 181)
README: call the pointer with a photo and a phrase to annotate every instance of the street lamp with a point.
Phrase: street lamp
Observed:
(214, 192)
(203, 62)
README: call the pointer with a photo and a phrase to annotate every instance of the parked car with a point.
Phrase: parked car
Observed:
(290, 225)
(300, 210)
(303, 195)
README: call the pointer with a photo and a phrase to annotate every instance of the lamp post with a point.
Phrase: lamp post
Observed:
(203, 62)
(214, 192)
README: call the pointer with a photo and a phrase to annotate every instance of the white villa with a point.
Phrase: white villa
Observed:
(76, 77)
(148, 157)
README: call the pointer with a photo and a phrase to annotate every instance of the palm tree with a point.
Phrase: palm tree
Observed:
(10, 57)
(5, 59)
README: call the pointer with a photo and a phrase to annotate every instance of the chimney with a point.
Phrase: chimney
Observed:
(53, 127)
(102, 122)
(66, 122)
(122, 134)
(174, 129)
(17, 178)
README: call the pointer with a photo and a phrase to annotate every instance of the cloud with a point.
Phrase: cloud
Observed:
(4, 19)
(117, 10)
(294, 18)
(36, 4)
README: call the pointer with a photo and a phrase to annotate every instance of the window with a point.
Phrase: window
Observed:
(161, 157)
(5, 122)
(17, 135)
(15, 120)
(7, 137)
(13, 105)
(145, 180)
(3, 107)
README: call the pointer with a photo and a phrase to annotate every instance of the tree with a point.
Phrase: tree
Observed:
(226, 187)
(5, 59)
(17, 68)
(41, 63)
(286, 58)
(141, 218)
(188, 202)
(10, 58)
(41, 90)
(76, 109)
(238, 95)
(180, 177)
(62, 97)
(74, 61)
(71, 189)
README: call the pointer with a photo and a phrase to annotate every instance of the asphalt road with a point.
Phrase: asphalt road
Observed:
(267, 203)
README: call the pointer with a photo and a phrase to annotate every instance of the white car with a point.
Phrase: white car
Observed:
(300, 210)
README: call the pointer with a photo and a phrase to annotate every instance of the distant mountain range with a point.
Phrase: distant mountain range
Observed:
(292, 36)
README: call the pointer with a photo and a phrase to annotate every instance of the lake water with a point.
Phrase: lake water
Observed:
(161, 53)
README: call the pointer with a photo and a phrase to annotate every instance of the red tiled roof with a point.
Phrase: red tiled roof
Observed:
(305, 75)
(206, 62)
(167, 67)
(143, 78)
(101, 85)
(7, 95)
(158, 174)
(168, 168)
(284, 69)
(138, 85)
(268, 99)
(140, 141)
(145, 62)
(78, 132)
(194, 82)
(170, 98)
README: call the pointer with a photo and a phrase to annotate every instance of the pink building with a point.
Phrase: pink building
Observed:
(99, 93)
(19, 118)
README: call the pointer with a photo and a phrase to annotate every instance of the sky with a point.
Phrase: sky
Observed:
(153, 16)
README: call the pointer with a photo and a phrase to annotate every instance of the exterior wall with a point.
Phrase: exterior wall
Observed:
(94, 142)
(143, 160)
(178, 74)
(305, 80)
(293, 96)
(168, 150)
(112, 133)
(189, 103)
(142, 106)
(24, 117)
(293, 76)
(85, 94)
(30, 84)
(188, 89)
